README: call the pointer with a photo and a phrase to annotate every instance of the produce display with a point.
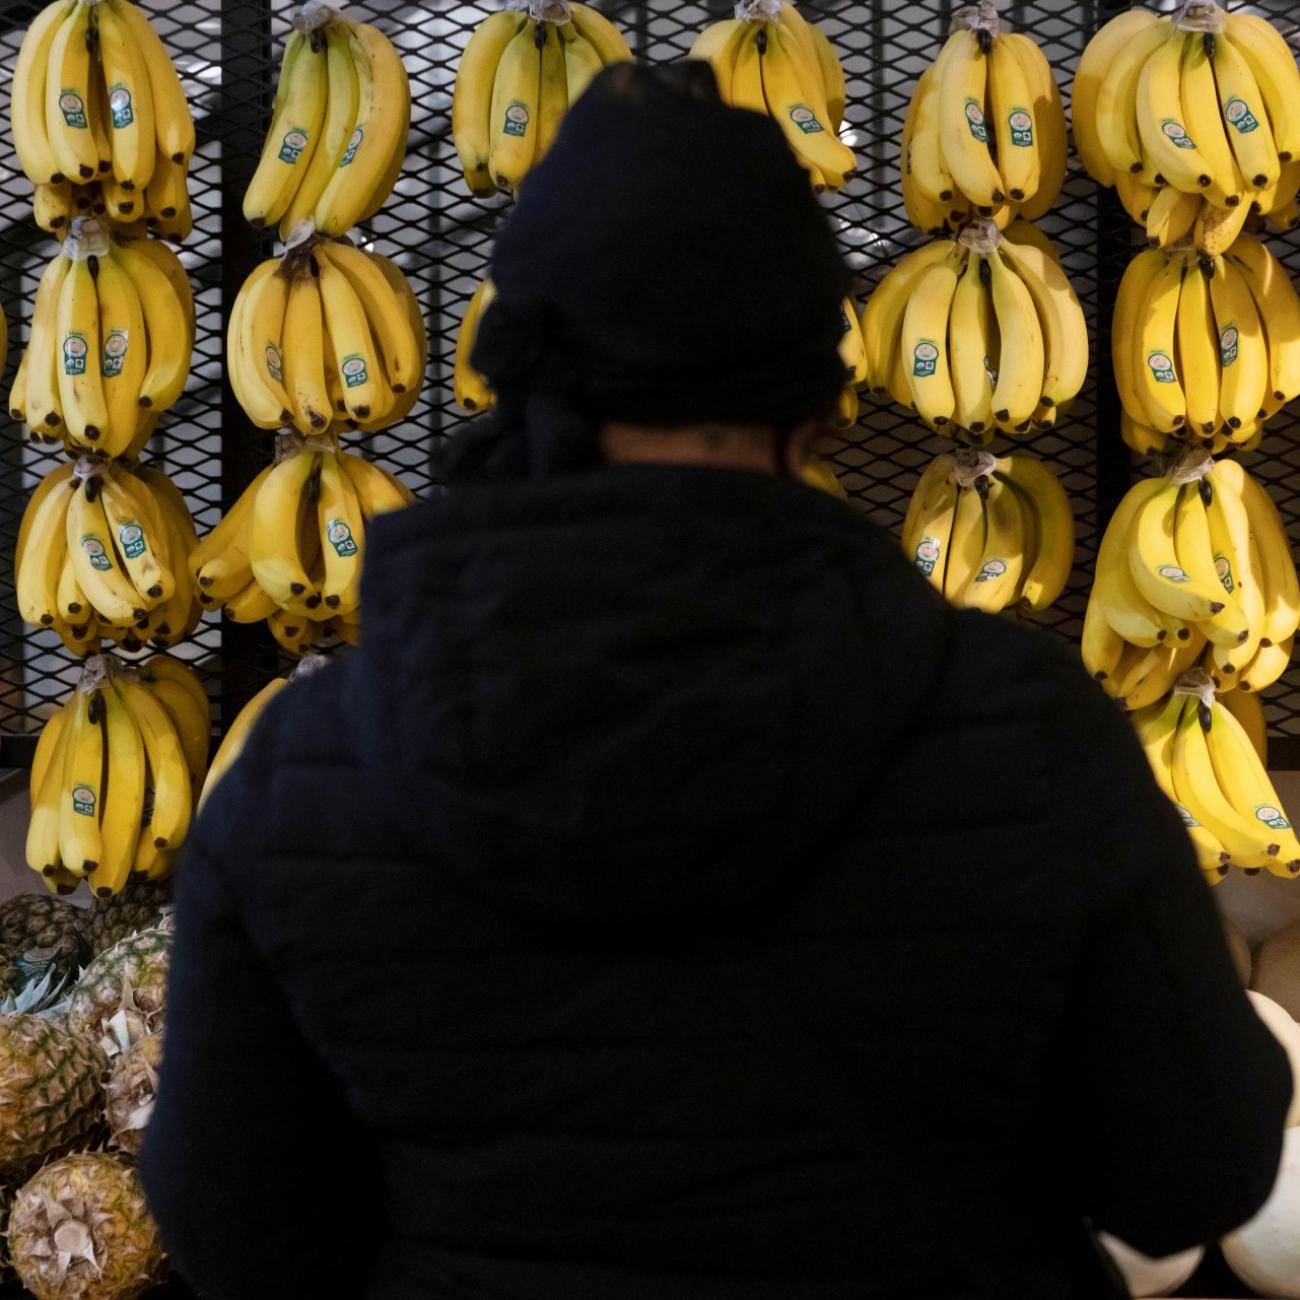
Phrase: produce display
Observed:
(103, 552)
(991, 533)
(1193, 567)
(985, 129)
(111, 337)
(978, 334)
(327, 338)
(1193, 119)
(337, 138)
(1205, 351)
(99, 114)
(514, 83)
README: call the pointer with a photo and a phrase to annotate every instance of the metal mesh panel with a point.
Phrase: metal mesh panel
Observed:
(228, 54)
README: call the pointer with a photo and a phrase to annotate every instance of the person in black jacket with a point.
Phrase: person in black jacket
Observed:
(673, 899)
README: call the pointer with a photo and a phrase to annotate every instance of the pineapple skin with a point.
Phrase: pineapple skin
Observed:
(129, 1092)
(39, 921)
(142, 961)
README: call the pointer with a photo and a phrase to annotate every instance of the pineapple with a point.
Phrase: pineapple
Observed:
(136, 907)
(50, 1095)
(129, 1093)
(121, 994)
(80, 1230)
(39, 921)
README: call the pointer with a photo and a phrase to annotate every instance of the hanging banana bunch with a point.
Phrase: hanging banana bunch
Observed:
(117, 772)
(337, 138)
(770, 59)
(326, 339)
(991, 533)
(985, 129)
(978, 334)
(100, 120)
(1205, 350)
(517, 77)
(1194, 569)
(290, 551)
(103, 552)
(1194, 118)
(111, 338)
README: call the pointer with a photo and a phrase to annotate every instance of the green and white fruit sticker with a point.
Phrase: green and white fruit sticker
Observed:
(1188, 820)
(339, 536)
(73, 108)
(1176, 133)
(83, 800)
(1162, 367)
(994, 568)
(1223, 567)
(929, 550)
(96, 552)
(845, 324)
(1229, 344)
(516, 122)
(1236, 112)
(353, 369)
(274, 363)
(354, 143)
(115, 349)
(925, 358)
(75, 349)
(805, 119)
(1272, 816)
(1021, 123)
(975, 121)
(1172, 573)
(294, 142)
(119, 106)
(130, 539)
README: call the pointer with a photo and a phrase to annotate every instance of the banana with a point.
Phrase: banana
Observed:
(1198, 353)
(82, 795)
(472, 120)
(1021, 355)
(44, 402)
(377, 490)
(1157, 671)
(52, 206)
(293, 136)
(191, 720)
(174, 124)
(716, 45)
(236, 736)
(595, 28)
(130, 104)
(31, 134)
(971, 345)
(1125, 608)
(359, 367)
(1273, 66)
(295, 634)
(1279, 311)
(552, 89)
(1200, 115)
(1155, 374)
(1237, 562)
(1243, 353)
(304, 361)
(1049, 126)
(832, 72)
(1266, 667)
(1238, 98)
(582, 63)
(1173, 151)
(273, 547)
(124, 355)
(39, 552)
(924, 343)
(1042, 494)
(173, 793)
(73, 603)
(166, 324)
(1130, 302)
(997, 577)
(255, 347)
(366, 174)
(928, 167)
(1160, 574)
(1016, 131)
(1216, 229)
(123, 796)
(96, 562)
(46, 794)
(966, 545)
(1094, 64)
(1194, 549)
(79, 356)
(1135, 195)
(342, 530)
(68, 98)
(1248, 711)
(1117, 96)
(928, 536)
(139, 537)
(1102, 646)
(341, 103)
(963, 132)
(1171, 216)
(933, 479)
(1278, 572)
(882, 318)
(219, 564)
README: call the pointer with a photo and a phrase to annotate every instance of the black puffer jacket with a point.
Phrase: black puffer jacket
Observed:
(673, 900)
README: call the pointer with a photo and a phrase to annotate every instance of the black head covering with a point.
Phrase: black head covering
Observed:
(666, 264)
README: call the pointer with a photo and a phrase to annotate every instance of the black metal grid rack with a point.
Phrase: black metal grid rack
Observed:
(228, 53)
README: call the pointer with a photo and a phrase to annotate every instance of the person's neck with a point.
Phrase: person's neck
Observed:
(711, 446)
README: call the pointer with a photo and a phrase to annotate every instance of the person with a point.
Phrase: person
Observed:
(673, 899)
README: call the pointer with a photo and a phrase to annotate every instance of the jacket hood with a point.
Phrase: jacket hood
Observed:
(639, 694)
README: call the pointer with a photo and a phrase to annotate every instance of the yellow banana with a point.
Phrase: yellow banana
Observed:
(594, 27)
(255, 345)
(1021, 356)
(552, 90)
(342, 532)
(236, 736)
(1272, 63)
(96, 562)
(994, 584)
(81, 386)
(1041, 491)
(68, 97)
(166, 324)
(304, 360)
(1117, 95)
(1243, 354)
(273, 548)
(173, 793)
(1200, 115)
(1049, 126)
(44, 404)
(1198, 351)
(1094, 64)
(123, 796)
(174, 124)
(46, 793)
(963, 132)
(1279, 312)
(360, 369)
(130, 118)
(27, 98)
(1173, 151)
(125, 349)
(1155, 373)
(82, 797)
(471, 106)
(882, 318)
(139, 537)
(1015, 130)
(972, 347)
(924, 343)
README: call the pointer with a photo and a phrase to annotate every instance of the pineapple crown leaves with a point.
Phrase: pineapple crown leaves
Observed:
(70, 1236)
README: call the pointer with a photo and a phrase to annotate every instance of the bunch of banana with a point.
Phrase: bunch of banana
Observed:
(1193, 118)
(109, 348)
(516, 79)
(1204, 351)
(978, 334)
(773, 61)
(290, 550)
(1194, 567)
(469, 386)
(1210, 767)
(337, 139)
(327, 338)
(953, 165)
(166, 216)
(117, 772)
(96, 102)
(991, 533)
(818, 474)
(102, 552)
